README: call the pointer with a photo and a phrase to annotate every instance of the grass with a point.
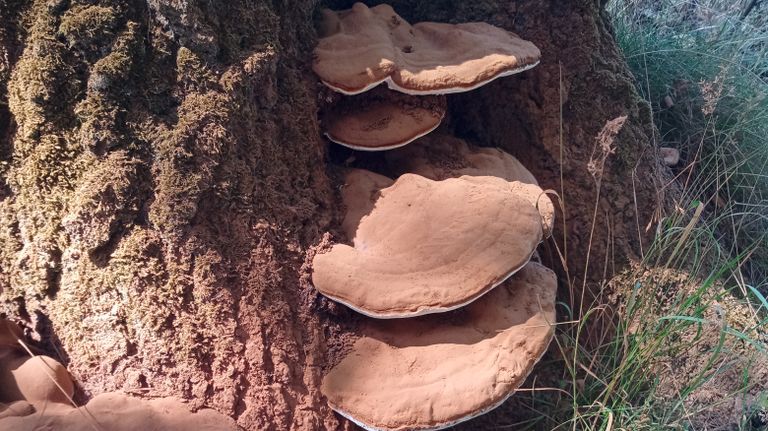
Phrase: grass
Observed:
(678, 342)
(705, 72)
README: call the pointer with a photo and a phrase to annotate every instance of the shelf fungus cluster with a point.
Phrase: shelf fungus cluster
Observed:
(438, 255)
(361, 48)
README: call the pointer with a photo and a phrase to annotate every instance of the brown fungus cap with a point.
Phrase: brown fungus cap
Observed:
(15, 408)
(428, 246)
(383, 123)
(362, 47)
(360, 191)
(436, 371)
(40, 380)
(439, 157)
(118, 412)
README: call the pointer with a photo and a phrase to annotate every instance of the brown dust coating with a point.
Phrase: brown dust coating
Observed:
(361, 47)
(439, 157)
(383, 123)
(430, 373)
(430, 246)
(118, 412)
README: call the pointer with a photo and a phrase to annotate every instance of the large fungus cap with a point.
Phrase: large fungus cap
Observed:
(427, 246)
(118, 412)
(360, 191)
(38, 380)
(439, 157)
(434, 372)
(383, 123)
(362, 47)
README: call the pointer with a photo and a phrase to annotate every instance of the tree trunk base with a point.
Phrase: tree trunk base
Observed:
(166, 185)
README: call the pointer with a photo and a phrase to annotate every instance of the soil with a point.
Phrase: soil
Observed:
(165, 185)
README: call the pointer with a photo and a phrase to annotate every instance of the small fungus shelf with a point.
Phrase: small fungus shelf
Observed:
(36, 394)
(391, 120)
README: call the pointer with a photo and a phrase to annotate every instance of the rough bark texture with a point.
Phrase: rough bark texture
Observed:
(165, 185)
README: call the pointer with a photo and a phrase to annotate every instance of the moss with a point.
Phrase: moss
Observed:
(99, 118)
(191, 72)
(10, 245)
(34, 102)
(112, 69)
(10, 10)
(102, 112)
(127, 51)
(48, 167)
(41, 87)
(47, 160)
(106, 201)
(89, 27)
(43, 183)
(138, 273)
(256, 25)
(187, 157)
(44, 82)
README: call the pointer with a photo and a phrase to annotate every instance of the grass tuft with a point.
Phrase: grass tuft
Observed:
(678, 342)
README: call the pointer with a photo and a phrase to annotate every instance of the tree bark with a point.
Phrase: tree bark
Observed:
(165, 184)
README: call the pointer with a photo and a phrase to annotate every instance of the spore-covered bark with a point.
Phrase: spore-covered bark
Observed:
(165, 184)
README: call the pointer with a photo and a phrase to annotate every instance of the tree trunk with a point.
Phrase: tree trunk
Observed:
(165, 184)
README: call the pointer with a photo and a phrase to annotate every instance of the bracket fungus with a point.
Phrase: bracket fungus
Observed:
(430, 373)
(359, 193)
(455, 230)
(118, 412)
(442, 156)
(40, 380)
(362, 47)
(382, 123)
(438, 157)
(429, 246)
